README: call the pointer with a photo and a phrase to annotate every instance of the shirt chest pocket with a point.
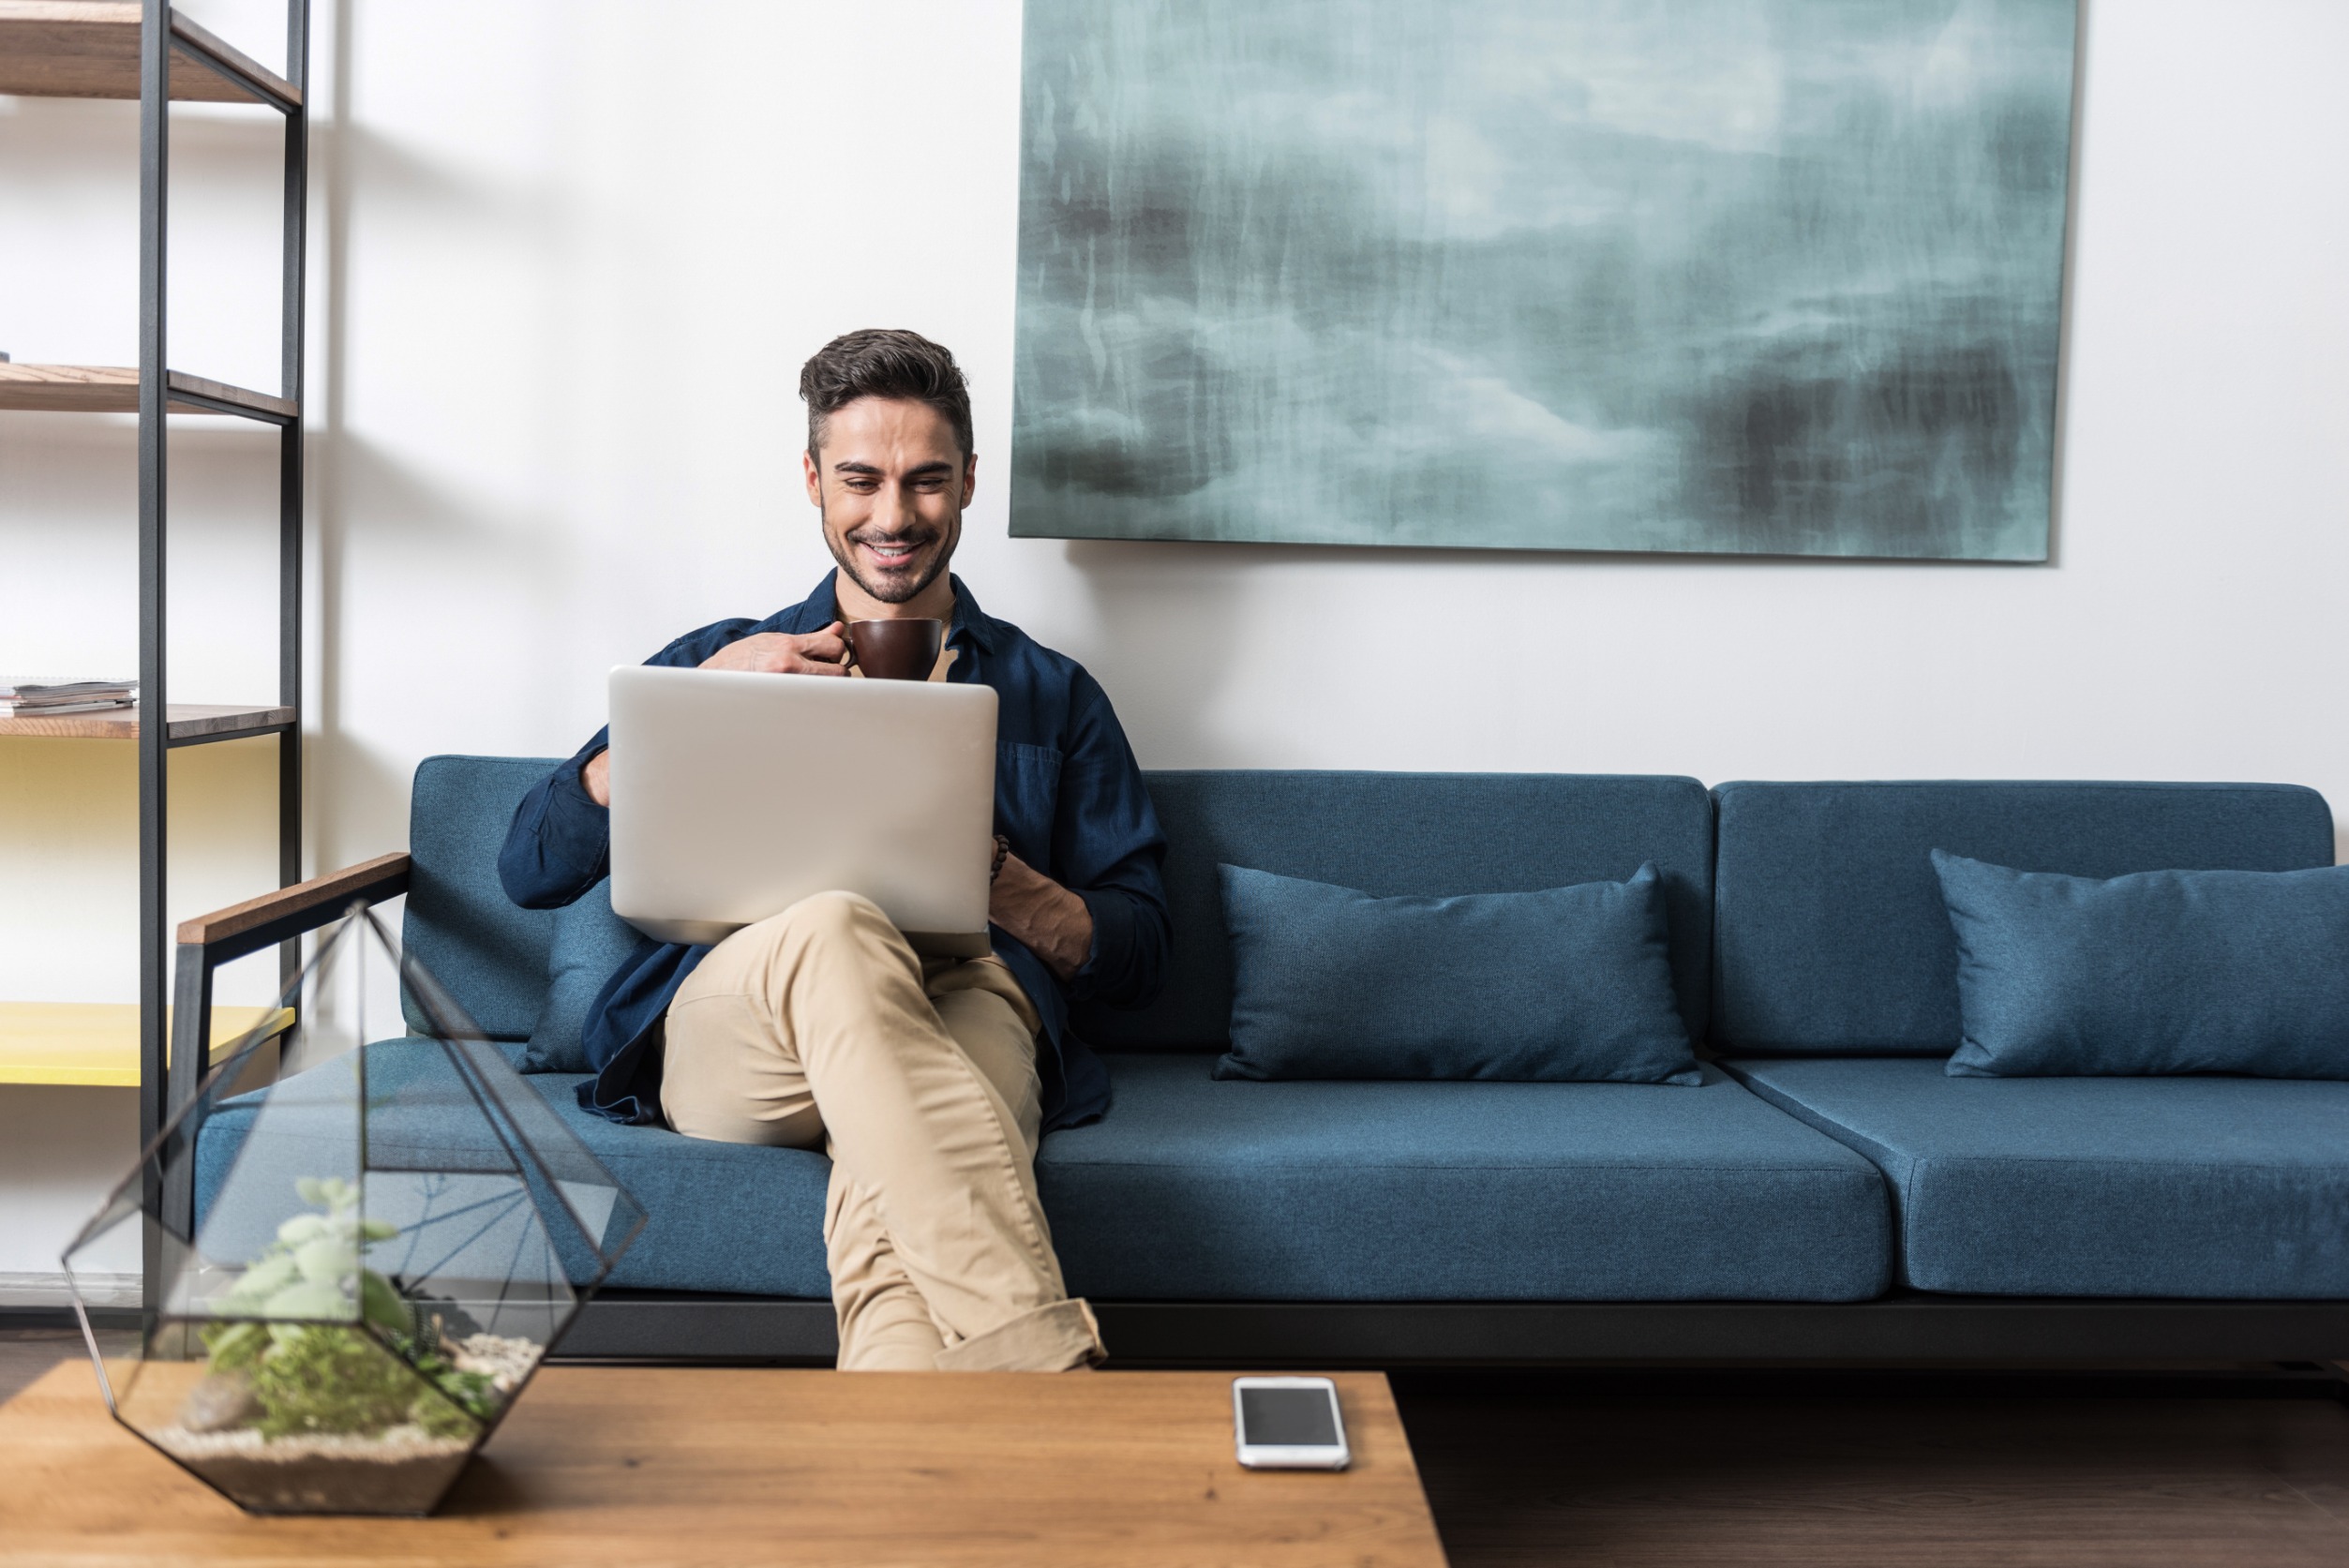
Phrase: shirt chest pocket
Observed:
(1027, 793)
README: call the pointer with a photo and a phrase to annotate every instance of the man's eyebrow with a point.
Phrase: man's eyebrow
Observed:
(924, 471)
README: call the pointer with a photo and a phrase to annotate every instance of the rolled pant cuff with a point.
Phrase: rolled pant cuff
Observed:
(1058, 1338)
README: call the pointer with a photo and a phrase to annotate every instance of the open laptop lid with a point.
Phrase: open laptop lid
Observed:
(735, 795)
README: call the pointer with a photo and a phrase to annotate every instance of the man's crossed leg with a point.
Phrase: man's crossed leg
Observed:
(819, 1027)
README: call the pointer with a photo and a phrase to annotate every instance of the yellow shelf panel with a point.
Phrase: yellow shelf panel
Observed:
(97, 1042)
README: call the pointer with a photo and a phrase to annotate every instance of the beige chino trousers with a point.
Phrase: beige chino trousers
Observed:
(820, 1028)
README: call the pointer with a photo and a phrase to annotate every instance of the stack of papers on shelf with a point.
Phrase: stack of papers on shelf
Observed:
(29, 699)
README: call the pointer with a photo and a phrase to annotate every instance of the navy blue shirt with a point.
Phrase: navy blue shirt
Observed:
(1069, 797)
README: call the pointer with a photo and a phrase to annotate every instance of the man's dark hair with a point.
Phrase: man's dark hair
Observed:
(884, 362)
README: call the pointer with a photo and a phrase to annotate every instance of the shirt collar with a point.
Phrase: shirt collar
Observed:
(970, 622)
(981, 629)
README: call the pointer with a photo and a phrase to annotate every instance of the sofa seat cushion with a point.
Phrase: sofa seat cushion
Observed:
(2093, 1186)
(1193, 1188)
(718, 1217)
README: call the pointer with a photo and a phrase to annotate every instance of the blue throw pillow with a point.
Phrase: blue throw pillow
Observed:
(590, 943)
(2164, 972)
(1571, 984)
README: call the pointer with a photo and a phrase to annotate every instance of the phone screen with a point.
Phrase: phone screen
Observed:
(1288, 1418)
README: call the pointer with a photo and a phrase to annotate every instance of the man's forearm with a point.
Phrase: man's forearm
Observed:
(1047, 918)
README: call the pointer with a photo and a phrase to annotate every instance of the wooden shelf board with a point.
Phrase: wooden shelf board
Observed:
(190, 720)
(114, 389)
(89, 48)
(97, 1042)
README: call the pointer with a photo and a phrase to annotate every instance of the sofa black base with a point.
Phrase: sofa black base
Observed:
(1906, 1328)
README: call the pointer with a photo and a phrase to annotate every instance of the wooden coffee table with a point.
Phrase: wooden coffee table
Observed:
(646, 1465)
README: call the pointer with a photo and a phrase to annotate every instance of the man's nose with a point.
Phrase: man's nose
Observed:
(900, 512)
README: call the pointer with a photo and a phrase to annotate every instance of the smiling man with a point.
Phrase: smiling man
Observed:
(930, 1082)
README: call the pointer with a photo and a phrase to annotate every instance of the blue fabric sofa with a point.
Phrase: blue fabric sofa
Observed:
(1834, 974)
(1828, 1190)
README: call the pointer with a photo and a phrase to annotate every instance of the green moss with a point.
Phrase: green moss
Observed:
(338, 1378)
(330, 1380)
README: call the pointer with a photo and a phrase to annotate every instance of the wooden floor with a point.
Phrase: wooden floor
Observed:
(26, 1353)
(1828, 1471)
(1834, 1470)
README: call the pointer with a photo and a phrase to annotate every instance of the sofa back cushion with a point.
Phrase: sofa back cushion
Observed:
(489, 955)
(1830, 935)
(1436, 834)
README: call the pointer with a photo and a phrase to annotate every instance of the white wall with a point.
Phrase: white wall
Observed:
(65, 1149)
(571, 254)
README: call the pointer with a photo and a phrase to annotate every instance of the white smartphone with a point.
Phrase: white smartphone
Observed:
(1289, 1423)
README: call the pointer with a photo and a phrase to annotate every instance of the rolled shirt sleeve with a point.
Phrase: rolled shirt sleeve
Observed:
(561, 842)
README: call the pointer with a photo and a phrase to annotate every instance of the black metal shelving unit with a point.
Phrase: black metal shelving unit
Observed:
(147, 49)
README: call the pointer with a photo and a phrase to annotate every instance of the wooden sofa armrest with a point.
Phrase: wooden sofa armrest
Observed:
(271, 918)
(211, 940)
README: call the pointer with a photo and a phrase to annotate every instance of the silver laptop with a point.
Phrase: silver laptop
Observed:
(736, 795)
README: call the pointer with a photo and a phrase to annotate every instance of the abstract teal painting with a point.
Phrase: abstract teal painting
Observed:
(1758, 276)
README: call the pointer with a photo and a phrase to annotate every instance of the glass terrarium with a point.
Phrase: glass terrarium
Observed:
(356, 1256)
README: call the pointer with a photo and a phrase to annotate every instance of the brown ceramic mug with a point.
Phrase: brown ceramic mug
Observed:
(896, 649)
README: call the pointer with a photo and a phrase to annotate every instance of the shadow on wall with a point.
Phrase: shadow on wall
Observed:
(377, 510)
(364, 789)
(68, 501)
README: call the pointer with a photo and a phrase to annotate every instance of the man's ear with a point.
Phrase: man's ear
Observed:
(815, 478)
(970, 477)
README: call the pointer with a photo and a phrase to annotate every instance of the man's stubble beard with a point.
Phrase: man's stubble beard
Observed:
(843, 555)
